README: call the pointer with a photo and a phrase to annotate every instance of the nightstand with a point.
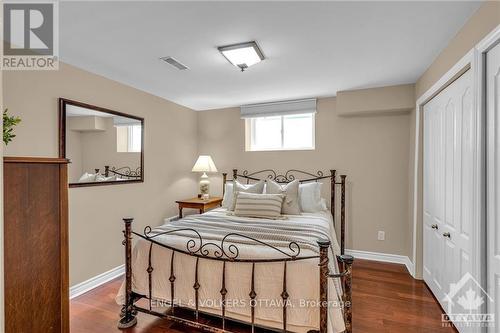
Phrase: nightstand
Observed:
(201, 205)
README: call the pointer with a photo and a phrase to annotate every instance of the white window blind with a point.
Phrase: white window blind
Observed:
(128, 138)
(303, 106)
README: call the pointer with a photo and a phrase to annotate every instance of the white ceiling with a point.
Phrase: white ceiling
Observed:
(78, 111)
(312, 49)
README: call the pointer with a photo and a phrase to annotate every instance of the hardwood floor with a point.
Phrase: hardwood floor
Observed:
(385, 299)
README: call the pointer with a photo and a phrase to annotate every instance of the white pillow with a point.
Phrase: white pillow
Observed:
(291, 192)
(101, 178)
(227, 201)
(257, 188)
(310, 200)
(87, 178)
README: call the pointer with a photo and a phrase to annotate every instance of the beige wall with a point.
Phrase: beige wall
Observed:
(484, 20)
(95, 212)
(371, 150)
(383, 100)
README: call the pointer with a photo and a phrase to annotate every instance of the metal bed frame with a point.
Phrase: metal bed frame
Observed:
(226, 251)
(125, 172)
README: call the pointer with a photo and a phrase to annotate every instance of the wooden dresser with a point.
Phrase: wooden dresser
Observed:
(36, 245)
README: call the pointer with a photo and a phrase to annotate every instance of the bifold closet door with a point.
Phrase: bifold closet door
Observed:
(449, 168)
(493, 179)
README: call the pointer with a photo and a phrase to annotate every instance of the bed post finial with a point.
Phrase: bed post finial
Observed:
(224, 179)
(342, 213)
(235, 174)
(128, 318)
(324, 245)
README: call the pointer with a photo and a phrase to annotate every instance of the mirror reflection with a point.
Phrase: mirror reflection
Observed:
(103, 147)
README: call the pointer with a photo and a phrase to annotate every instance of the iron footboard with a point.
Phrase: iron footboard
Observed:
(227, 252)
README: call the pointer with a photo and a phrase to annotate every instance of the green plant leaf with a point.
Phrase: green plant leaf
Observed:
(9, 122)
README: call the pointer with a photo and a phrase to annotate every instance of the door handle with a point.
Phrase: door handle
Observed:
(435, 226)
(447, 234)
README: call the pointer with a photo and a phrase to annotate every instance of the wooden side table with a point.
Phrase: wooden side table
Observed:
(200, 204)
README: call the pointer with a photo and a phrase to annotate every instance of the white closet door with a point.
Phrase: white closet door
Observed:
(493, 179)
(449, 181)
(433, 209)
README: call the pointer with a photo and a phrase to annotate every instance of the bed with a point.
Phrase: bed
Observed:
(280, 275)
(110, 175)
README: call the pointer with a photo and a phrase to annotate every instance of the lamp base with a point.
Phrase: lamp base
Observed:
(204, 186)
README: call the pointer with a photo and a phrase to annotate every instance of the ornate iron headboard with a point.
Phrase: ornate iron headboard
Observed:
(125, 172)
(302, 177)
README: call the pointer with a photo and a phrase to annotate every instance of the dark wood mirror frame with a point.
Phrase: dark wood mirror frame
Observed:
(62, 139)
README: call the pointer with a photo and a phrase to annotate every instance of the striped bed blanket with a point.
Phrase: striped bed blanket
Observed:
(215, 226)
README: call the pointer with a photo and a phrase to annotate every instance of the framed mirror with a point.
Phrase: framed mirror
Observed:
(105, 147)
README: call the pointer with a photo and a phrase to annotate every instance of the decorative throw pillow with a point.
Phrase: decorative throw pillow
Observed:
(258, 205)
(291, 193)
(246, 188)
(310, 198)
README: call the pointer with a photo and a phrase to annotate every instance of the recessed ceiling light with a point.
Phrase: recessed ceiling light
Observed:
(242, 55)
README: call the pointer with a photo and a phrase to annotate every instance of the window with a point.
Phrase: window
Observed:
(288, 132)
(128, 139)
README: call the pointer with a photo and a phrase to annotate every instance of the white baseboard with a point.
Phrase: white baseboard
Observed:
(384, 257)
(101, 279)
(96, 281)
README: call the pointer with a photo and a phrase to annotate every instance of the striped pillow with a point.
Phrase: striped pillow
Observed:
(258, 205)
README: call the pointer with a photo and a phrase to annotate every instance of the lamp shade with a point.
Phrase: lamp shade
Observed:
(204, 163)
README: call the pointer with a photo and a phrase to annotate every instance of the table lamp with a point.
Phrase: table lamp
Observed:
(204, 164)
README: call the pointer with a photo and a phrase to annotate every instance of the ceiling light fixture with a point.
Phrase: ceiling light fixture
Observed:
(242, 55)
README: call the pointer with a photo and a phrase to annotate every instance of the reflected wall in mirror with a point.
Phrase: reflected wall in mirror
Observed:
(105, 147)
